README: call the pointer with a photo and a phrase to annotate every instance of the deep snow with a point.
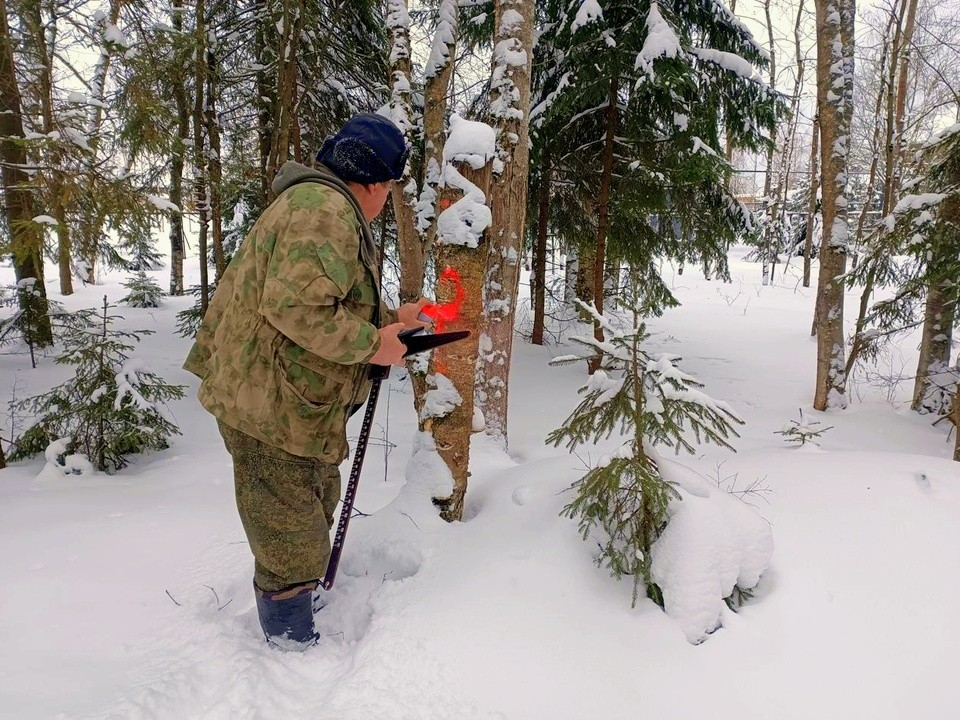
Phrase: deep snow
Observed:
(129, 596)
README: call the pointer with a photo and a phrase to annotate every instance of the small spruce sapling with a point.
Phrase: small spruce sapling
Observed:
(803, 431)
(144, 291)
(109, 408)
(652, 403)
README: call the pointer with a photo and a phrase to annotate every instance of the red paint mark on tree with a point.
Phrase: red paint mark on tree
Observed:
(444, 313)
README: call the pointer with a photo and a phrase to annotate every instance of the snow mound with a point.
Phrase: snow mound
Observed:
(712, 543)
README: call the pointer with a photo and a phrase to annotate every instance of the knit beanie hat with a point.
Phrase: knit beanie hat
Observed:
(368, 149)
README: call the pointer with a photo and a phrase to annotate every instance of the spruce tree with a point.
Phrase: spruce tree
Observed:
(109, 409)
(650, 401)
(636, 101)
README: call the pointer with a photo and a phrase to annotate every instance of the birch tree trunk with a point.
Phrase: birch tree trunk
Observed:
(770, 233)
(812, 205)
(439, 73)
(835, 63)
(26, 236)
(457, 361)
(510, 109)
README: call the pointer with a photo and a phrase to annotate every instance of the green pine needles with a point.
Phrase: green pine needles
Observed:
(649, 401)
(109, 409)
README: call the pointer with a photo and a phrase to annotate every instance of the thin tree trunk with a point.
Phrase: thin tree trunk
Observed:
(404, 191)
(55, 189)
(199, 154)
(812, 205)
(835, 64)
(91, 230)
(214, 162)
(770, 230)
(510, 108)
(286, 83)
(266, 98)
(457, 361)
(26, 236)
(603, 211)
(539, 276)
(906, 45)
(177, 162)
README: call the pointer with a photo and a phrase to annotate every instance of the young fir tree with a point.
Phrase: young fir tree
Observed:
(652, 403)
(109, 409)
(144, 291)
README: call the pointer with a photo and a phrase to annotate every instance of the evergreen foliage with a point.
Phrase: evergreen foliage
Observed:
(683, 73)
(803, 431)
(650, 401)
(33, 317)
(143, 291)
(918, 245)
(110, 408)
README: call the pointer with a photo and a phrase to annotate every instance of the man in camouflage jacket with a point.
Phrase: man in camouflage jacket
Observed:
(283, 355)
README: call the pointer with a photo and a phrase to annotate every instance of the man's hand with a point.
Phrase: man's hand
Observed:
(391, 350)
(408, 314)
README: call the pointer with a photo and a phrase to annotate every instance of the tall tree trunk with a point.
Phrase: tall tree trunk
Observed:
(539, 276)
(510, 109)
(439, 73)
(177, 162)
(286, 83)
(55, 189)
(859, 341)
(404, 192)
(603, 210)
(90, 227)
(266, 98)
(904, 48)
(26, 236)
(457, 361)
(214, 162)
(770, 230)
(835, 63)
(199, 154)
(812, 205)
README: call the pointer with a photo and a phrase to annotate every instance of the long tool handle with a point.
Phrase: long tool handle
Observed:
(351, 494)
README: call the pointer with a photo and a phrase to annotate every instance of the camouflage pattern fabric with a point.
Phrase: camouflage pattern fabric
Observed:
(283, 348)
(286, 505)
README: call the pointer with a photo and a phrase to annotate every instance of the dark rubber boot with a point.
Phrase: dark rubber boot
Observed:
(286, 616)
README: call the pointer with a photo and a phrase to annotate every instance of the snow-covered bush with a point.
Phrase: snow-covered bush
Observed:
(649, 400)
(110, 408)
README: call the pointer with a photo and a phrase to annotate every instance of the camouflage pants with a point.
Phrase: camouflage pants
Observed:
(286, 504)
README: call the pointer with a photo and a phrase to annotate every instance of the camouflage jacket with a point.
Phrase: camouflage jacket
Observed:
(282, 351)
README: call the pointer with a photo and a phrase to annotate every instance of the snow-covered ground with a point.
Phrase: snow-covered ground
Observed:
(129, 596)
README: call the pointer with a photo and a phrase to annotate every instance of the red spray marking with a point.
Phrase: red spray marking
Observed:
(445, 313)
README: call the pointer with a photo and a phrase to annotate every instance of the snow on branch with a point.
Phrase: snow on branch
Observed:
(589, 11)
(661, 42)
(464, 222)
(443, 39)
